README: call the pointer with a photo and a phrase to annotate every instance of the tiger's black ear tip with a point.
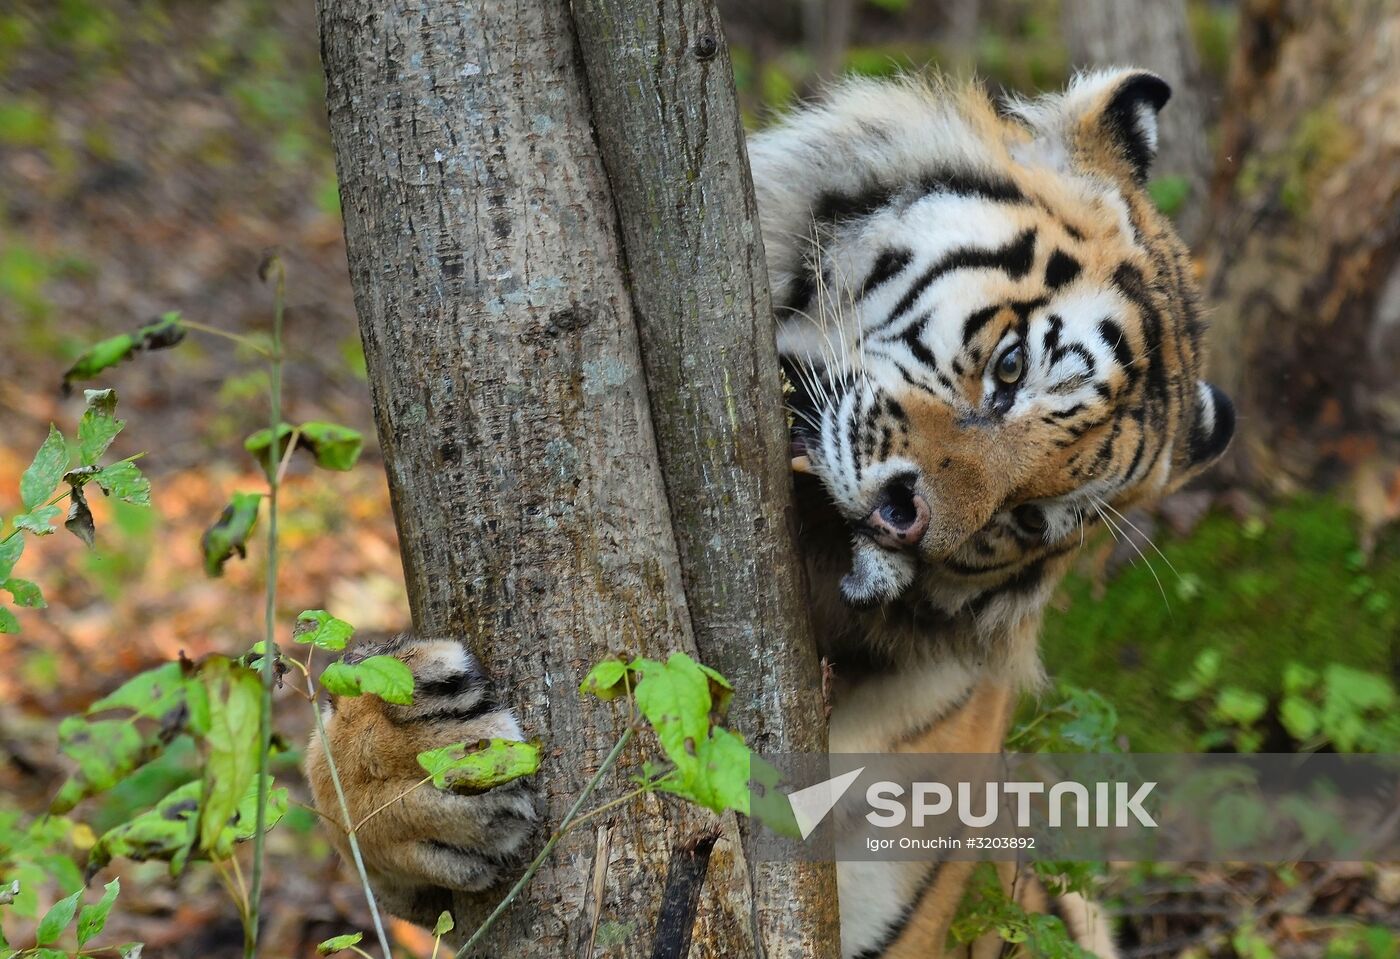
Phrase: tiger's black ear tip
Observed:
(1214, 426)
(1131, 118)
(1145, 87)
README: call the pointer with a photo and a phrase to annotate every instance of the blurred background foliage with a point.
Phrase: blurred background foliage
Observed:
(151, 150)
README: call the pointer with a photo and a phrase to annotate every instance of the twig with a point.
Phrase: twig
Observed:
(646, 787)
(386, 804)
(553, 841)
(292, 441)
(350, 833)
(241, 340)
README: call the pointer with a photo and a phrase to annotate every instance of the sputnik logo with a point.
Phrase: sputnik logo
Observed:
(812, 804)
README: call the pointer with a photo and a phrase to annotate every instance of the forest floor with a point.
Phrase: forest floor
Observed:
(146, 164)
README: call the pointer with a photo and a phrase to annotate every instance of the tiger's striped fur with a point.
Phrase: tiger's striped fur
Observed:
(916, 236)
(923, 245)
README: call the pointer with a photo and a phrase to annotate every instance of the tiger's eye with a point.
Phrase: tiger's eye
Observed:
(1031, 518)
(1011, 366)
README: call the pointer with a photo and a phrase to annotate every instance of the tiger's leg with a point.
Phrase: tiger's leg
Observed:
(906, 910)
(422, 847)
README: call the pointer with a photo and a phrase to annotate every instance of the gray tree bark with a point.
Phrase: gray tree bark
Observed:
(513, 415)
(668, 127)
(1155, 35)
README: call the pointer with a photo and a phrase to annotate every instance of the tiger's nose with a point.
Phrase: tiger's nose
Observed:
(900, 516)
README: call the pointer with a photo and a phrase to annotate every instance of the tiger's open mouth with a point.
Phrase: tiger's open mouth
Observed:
(882, 567)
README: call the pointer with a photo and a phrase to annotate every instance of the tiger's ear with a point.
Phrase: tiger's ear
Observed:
(1212, 427)
(1106, 119)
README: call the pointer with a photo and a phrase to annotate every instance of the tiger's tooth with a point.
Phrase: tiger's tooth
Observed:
(802, 464)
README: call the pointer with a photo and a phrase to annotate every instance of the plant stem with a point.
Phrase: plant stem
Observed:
(350, 833)
(553, 841)
(386, 804)
(249, 342)
(269, 672)
(646, 787)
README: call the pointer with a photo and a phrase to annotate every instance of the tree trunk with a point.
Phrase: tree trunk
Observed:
(513, 417)
(668, 127)
(1155, 35)
(514, 420)
(826, 27)
(1305, 273)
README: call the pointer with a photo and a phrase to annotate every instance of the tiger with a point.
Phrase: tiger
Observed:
(992, 340)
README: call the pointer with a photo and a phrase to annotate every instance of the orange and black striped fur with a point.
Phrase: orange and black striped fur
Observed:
(993, 340)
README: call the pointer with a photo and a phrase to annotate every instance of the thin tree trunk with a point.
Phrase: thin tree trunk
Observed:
(668, 126)
(1305, 274)
(513, 416)
(826, 25)
(1155, 35)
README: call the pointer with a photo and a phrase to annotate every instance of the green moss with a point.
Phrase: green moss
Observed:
(1213, 28)
(1319, 144)
(1292, 589)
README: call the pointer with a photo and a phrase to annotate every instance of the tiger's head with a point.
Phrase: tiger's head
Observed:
(992, 334)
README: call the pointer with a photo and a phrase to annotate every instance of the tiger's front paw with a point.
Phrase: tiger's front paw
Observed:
(419, 842)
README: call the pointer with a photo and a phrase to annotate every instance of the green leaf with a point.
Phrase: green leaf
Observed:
(245, 817)
(229, 535)
(1169, 193)
(328, 633)
(1240, 706)
(679, 698)
(384, 676)
(259, 443)
(1299, 717)
(153, 693)
(720, 690)
(105, 750)
(8, 623)
(675, 699)
(720, 780)
(25, 593)
(230, 745)
(1357, 689)
(124, 481)
(93, 917)
(1298, 678)
(10, 549)
(605, 679)
(444, 924)
(38, 521)
(99, 425)
(165, 832)
(483, 766)
(160, 335)
(335, 447)
(1207, 665)
(768, 803)
(168, 831)
(57, 919)
(38, 482)
(712, 764)
(79, 520)
(338, 943)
